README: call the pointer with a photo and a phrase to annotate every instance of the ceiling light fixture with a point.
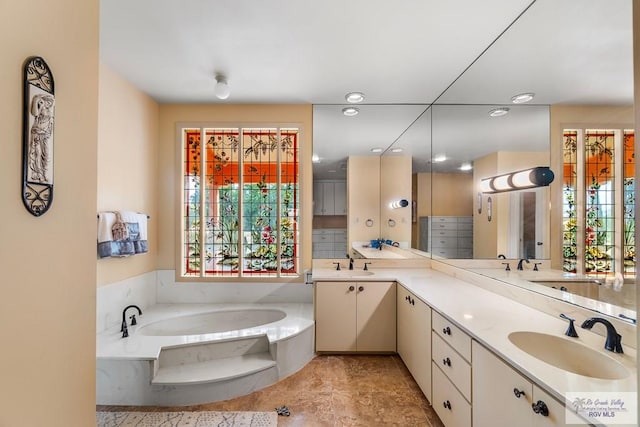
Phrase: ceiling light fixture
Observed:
(354, 97)
(466, 167)
(376, 150)
(440, 158)
(498, 112)
(315, 158)
(221, 89)
(521, 98)
(397, 150)
(350, 111)
(540, 176)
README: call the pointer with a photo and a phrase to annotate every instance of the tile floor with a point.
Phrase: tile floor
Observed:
(335, 390)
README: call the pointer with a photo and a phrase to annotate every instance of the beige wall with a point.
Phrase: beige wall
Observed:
(395, 184)
(48, 309)
(363, 198)
(567, 116)
(127, 167)
(247, 115)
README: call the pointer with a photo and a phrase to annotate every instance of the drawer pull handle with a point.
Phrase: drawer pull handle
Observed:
(447, 404)
(412, 301)
(518, 393)
(361, 288)
(446, 331)
(351, 288)
(407, 298)
(540, 408)
(447, 362)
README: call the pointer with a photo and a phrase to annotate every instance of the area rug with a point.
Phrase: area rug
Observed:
(186, 419)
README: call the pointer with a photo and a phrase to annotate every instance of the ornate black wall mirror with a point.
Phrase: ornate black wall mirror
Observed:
(37, 140)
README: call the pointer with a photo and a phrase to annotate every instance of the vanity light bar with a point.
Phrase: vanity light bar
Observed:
(540, 176)
(403, 203)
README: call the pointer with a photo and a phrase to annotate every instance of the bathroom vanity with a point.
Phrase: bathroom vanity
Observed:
(463, 345)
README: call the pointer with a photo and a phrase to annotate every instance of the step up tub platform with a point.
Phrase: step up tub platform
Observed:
(186, 354)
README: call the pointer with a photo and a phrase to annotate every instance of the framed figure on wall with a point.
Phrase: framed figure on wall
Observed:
(37, 142)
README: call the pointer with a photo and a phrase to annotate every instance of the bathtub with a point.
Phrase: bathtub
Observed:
(197, 341)
(212, 322)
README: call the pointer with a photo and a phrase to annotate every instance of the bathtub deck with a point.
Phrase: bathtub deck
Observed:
(194, 369)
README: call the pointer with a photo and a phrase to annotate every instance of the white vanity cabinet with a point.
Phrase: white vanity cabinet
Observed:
(414, 338)
(502, 397)
(355, 316)
(330, 198)
(451, 370)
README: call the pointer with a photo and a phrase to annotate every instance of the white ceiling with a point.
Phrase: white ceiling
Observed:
(402, 52)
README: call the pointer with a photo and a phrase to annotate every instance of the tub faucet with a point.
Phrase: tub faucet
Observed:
(519, 267)
(123, 326)
(614, 339)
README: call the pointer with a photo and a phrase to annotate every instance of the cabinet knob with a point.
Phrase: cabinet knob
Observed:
(447, 404)
(361, 288)
(407, 298)
(413, 302)
(518, 393)
(540, 408)
(446, 331)
(447, 362)
(351, 288)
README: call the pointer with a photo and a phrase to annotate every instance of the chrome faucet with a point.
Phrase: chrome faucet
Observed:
(519, 267)
(614, 339)
(123, 326)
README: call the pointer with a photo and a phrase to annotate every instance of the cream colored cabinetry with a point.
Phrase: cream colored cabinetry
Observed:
(330, 198)
(503, 397)
(329, 243)
(451, 367)
(414, 338)
(355, 316)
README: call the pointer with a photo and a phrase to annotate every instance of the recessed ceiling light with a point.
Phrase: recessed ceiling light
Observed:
(497, 112)
(522, 98)
(354, 97)
(396, 150)
(376, 150)
(350, 111)
(466, 167)
(439, 158)
(315, 158)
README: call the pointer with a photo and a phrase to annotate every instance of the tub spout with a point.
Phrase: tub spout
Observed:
(123, 325)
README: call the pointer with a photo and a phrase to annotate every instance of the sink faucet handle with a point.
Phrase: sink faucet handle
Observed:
(365, 266)
(535, 266)
(571, 330)
(133, 320)
(337, 264)
(508, 268)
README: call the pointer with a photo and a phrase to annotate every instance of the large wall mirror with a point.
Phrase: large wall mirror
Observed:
(538, 53)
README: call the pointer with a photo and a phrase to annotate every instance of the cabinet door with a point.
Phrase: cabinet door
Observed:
(340, 198)
(318, 198)
(404, 327)
(376, 316)
(495, 403)
(328, 201)
(421, 346)
(556, 417)
(335, 307)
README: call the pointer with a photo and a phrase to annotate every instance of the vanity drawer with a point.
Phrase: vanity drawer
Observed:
(452, 365)
(449, 404)
(452, 335)
(444, 242)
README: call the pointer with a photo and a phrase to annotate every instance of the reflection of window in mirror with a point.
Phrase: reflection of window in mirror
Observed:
(592, 208)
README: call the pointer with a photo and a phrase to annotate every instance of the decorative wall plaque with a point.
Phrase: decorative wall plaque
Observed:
(37, 140)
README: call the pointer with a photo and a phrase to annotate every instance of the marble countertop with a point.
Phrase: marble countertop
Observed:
(489, 318)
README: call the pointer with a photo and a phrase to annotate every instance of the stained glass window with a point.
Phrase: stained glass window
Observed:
(599, 201)
(569, 193)
(249, 203)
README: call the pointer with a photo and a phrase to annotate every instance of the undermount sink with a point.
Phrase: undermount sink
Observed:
(568, 355)
(352, 273)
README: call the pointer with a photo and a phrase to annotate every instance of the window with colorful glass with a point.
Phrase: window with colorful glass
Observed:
(243, 185)
(599, 201)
